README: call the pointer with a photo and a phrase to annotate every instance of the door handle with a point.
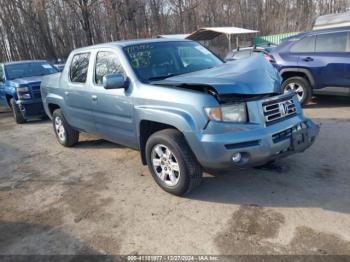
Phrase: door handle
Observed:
(308, 59)
(94, 98)
(66, 93)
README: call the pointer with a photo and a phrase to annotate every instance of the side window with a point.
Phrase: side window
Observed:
(79, 68)
(107, 63)
(305, 45)
(335, 42)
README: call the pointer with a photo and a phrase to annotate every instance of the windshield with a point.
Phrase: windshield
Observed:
(21, 70)
(157, 61)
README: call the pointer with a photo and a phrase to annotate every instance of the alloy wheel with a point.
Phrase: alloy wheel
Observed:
(165, 165)
(297, 88)
(59, 128)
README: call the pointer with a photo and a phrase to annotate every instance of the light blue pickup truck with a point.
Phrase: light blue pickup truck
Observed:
(177, 103)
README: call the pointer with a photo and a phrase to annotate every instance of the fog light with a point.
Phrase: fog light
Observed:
(236, 157)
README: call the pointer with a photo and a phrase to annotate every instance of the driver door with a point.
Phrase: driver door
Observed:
(112, 108)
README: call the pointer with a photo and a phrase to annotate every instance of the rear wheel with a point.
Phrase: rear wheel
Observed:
(172, 163)
(65, 134)
(17, 114)
(300, 86)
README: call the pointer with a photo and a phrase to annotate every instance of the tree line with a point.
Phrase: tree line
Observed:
(42, 29)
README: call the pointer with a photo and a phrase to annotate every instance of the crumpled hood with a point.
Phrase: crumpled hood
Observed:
(30, 81)
(250, 76)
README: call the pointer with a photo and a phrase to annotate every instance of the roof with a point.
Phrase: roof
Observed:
(125, 43)
(24, 62)
(208, 33)
(320, 31)
(332, 21)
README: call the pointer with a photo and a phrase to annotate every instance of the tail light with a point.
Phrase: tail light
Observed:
(269, 57)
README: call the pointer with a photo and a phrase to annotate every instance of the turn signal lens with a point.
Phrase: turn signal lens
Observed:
(214, 113)
(228, 113)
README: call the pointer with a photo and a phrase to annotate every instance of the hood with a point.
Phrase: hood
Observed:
(250, 76)
(29, 81)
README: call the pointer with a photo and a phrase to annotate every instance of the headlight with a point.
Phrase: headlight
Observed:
(22, 89)
(230, 113)
(23, 93)
(24, 96)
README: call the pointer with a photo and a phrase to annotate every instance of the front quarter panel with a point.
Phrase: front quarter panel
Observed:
(181, 108)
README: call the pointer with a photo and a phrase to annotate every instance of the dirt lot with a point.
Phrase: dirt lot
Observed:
(97, 198)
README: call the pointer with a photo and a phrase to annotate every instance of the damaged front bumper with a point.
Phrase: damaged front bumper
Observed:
(256, 145)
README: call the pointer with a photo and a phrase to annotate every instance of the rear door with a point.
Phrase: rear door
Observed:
(304, 49)
(77, 94)
(332, 49)
(113, 108)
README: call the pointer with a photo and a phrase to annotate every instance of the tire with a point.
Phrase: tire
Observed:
(266, 165)
(65, 134)
(189, 174)
(44, 117)
(298, 83)
(17, 114)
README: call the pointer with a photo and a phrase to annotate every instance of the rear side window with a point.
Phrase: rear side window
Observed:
(79, 68)
(106, 63)
(305, 45)
(335, 42)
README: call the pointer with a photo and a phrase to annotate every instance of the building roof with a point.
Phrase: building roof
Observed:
(208, 33)
(174, 36)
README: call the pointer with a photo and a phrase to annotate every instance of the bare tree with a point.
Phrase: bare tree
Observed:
(34, 29)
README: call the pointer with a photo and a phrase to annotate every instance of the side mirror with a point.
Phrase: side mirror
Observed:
(114, 81)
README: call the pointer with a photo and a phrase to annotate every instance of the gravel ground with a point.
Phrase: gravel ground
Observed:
(97, 198)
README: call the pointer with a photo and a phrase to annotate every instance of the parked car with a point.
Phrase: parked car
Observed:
(315, 62)
(20, 88)
(181, 116)
(241, 53)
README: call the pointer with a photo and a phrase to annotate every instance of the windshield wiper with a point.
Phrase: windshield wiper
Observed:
(160, 77)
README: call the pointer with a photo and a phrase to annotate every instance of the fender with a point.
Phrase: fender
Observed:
(300, 70)
(52, 99)
(166, 115)
(179, 119)
(10, 90)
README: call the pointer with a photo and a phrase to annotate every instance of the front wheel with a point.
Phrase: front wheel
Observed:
(17, 114)
(65, 134)
(172, 163)
(300, 86)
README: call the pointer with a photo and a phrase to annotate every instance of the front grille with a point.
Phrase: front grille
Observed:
(36, 92)
(278, 110)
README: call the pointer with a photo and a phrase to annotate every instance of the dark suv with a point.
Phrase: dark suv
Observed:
(315, 62)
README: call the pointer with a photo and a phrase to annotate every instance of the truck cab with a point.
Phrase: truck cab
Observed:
(20, 88)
